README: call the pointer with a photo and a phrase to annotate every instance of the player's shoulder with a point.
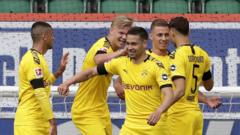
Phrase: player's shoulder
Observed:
(101, 45)
(29, 59)
(103, 42)
(200, 49)
(31, 56)
(120, 59)
(35, 56)
(149, 51)
(155, 62)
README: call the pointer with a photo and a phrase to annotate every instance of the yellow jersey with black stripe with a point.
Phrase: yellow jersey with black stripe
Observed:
(164, 59)
(192, 63)
(142, 83)
(34, 74)
(91, 98)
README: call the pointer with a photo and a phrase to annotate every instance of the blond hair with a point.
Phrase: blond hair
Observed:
(121, 22)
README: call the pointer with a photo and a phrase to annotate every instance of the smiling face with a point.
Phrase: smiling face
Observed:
(160, 37)
(135, 46)
(119, 36)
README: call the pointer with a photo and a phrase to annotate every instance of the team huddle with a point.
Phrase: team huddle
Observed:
(160, 88)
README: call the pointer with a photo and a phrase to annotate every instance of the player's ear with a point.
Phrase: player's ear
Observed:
(44, 35)
(151, 35)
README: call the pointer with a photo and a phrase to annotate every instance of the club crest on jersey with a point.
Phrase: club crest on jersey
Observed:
(144, 73)
(38, 73)
(172, 67)
(164, 76)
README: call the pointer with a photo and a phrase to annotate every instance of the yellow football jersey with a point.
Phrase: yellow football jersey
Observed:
(91, 98)
(189, 62)
(164, 59)
(142, 83)
(33, 66)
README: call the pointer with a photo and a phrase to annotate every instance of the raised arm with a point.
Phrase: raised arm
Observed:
(104, 57)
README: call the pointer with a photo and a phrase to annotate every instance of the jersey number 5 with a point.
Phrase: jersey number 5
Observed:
(195, 78)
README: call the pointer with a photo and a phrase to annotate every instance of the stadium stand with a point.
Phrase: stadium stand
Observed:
(120, 6)
(15, 6)
(170, 6)
(222, 6)
(123, 6)
(66, 6)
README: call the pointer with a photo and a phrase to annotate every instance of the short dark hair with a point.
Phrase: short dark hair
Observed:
(141, 32)
(181, 24)
(39, 28)
(159, 22)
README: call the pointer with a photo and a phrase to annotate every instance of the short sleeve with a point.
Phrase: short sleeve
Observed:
(34, 71)
(113, 65)
(163, 78)
(177, 66)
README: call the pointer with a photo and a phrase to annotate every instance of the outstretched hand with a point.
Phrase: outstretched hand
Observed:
(63, 89)
(214, 102)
